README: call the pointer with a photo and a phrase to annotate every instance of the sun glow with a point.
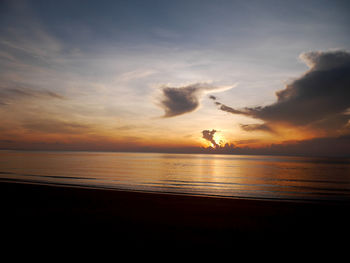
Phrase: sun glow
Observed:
(219, 139)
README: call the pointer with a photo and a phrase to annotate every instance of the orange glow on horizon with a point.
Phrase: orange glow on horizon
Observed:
(97, 138)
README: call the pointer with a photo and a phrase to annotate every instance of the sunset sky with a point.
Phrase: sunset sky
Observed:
(158, 75)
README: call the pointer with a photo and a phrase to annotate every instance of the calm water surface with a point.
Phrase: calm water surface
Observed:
(213, 175)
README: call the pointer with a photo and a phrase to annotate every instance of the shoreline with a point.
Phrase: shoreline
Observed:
(326, 200)
(148, 218)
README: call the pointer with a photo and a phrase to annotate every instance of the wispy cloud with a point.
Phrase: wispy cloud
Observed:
(56, 126)
(27, 35)
(256, 127)
(11, 95)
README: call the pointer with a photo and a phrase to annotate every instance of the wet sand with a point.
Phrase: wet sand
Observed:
(50, 213)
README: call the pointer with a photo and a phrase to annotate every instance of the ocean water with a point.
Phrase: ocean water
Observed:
(273, 177)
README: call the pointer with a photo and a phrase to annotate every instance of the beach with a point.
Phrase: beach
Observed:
(135, 218)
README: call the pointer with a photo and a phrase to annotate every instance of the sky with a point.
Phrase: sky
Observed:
(178, 76)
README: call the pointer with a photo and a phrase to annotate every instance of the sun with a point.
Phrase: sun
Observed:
(219, 139)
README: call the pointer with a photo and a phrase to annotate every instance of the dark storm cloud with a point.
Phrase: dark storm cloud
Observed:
(209, 136)
(9, 95)
(180, 100)
(318, 98)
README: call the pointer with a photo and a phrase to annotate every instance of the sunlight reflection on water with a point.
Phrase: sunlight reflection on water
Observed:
(219, 175)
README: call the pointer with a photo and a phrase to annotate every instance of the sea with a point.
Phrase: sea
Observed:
(232, 176)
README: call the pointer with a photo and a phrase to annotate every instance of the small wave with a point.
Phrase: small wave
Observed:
(50, 176)
(219, 184)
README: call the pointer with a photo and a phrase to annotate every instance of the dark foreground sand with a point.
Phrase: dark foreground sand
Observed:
(83, 215)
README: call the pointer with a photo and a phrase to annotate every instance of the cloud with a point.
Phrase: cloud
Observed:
(55, 126)
(180, 100)
(256, 127)
(318, 99)
(9, 95)
(229, 109)
(209, 136)
(326, 146)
